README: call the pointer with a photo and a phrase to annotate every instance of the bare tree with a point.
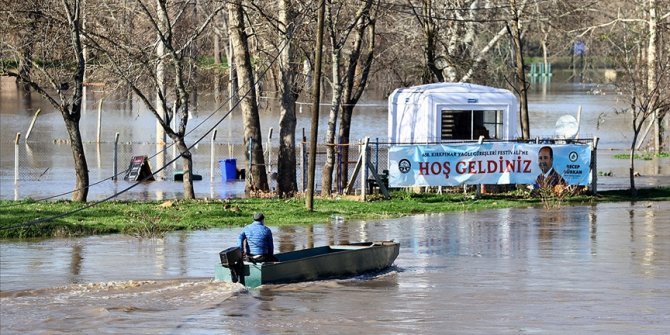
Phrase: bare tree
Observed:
(358, 67)
(631, 37)
(59, 74)
(146, 62)
(645, 104)
(434, 59)
(349, 74)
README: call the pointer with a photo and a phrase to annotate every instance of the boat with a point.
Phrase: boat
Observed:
(324, 262)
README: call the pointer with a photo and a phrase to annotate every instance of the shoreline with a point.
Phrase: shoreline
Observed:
(28, 219)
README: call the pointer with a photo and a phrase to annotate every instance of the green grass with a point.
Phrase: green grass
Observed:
(23, 219)
(647, 156)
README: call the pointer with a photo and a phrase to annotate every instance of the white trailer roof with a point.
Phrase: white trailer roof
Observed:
(414, 112)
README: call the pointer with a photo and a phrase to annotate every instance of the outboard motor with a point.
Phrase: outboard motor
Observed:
(231, 258)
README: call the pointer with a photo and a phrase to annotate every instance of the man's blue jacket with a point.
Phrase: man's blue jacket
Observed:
(259, 239)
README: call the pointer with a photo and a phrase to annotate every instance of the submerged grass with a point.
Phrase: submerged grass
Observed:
(30, 219)
(644, 155)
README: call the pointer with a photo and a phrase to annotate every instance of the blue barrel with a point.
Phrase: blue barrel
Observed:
(228, 169)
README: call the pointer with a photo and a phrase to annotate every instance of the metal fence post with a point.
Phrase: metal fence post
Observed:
(269, 149)
(338, 170)
(98, 129)
(211, 157)
(377, 154)
(32, 124)
(16, 158)
(116, 157)
(364, 168)
(303, 160)
(594, 165)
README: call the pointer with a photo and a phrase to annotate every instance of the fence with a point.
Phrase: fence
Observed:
(39, 162)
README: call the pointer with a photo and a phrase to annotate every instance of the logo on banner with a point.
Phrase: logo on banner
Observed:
(404, 166)
(486, 163)
(573, 156)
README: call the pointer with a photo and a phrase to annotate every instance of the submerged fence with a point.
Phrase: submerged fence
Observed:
(40, 162)
(37, 162)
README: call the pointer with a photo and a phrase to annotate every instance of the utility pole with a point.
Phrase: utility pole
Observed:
(316, 96)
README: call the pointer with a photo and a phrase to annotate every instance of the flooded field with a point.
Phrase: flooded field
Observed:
(45, 162)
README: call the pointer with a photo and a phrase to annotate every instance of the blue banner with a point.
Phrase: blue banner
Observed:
(489, 163)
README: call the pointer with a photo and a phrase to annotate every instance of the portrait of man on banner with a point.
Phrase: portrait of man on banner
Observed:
(548, 176)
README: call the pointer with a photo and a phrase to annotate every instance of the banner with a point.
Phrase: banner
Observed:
(489, 163)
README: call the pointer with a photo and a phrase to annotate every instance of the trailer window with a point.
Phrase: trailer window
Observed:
(470, 124)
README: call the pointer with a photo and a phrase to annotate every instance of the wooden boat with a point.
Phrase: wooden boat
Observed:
(335, 261)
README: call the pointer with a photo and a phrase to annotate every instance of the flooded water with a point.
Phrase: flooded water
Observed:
(45, 163)
(584, 270)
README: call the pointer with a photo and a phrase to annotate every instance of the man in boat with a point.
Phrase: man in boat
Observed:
(256, 241)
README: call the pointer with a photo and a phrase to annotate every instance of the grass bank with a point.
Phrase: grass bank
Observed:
(31, 219)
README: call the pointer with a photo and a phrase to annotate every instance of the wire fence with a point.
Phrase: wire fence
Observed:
(43, 162)
(40, 162)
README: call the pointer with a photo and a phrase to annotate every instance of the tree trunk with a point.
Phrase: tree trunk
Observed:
(651, 73)
(356, 77)
(344, 133)
(187, 161)
(631, 170)
(73, 115)
(182, 110)
(431, 32)
(327, 173)
(233, 88)
(286, 160)
(69, 107)
(520, 72)
(347, 87)
(160, 87)
(257, 179)
(25, 67)
(79, 157)
(331, 127)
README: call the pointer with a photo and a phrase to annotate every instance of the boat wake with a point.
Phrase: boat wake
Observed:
(106, 306)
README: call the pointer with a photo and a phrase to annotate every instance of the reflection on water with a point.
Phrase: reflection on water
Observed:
(591, 269)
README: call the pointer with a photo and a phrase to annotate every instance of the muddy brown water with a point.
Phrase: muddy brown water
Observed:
(582, 270)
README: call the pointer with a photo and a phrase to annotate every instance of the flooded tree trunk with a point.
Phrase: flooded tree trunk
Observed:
(257, 179)
(182, 110)
(68, 104)
(286, 160)
(79, 157)
(631, 170)
(187, 161)
(73, 116)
